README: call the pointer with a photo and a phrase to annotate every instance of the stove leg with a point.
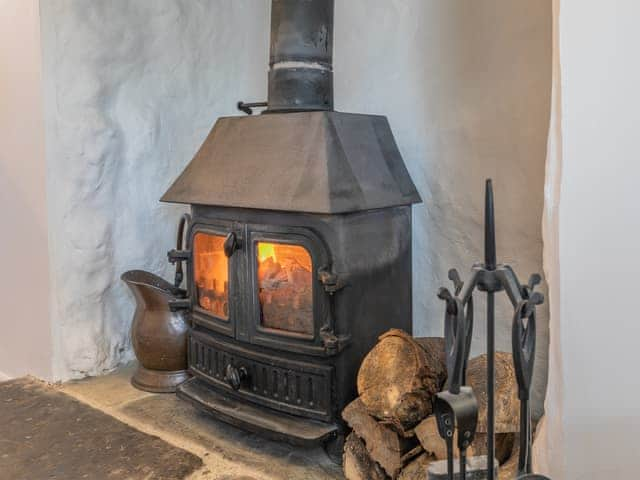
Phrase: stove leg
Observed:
(335, 447)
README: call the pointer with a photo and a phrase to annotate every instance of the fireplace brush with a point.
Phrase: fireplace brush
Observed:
(456, 408)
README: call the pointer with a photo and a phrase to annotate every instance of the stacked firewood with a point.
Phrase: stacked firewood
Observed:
(394, 432)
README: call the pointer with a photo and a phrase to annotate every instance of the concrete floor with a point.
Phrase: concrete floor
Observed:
(227, 453)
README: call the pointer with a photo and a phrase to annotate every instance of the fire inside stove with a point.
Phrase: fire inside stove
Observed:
(285, 287)
(284, 282)
(211, 268)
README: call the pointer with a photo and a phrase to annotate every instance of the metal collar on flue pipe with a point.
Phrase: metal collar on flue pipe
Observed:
(301, 58)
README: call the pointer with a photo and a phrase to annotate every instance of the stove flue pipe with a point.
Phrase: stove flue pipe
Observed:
(301, 58)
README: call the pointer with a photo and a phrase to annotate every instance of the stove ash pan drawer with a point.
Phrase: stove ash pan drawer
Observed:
(298, 388)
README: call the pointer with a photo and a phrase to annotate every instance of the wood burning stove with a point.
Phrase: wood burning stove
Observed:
(299, 248)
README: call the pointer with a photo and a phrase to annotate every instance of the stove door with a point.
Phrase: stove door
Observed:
(214, 276)
(289, 305)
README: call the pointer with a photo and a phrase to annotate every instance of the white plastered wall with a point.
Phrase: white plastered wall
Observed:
(131, 90)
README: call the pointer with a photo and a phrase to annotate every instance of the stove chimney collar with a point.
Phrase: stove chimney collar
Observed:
(301, 58)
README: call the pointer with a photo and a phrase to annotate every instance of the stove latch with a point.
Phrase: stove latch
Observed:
(333, 344)
(332, 282)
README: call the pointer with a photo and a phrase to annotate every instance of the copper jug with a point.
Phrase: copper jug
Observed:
(159, 330)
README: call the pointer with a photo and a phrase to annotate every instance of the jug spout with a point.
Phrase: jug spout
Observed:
(150, 290)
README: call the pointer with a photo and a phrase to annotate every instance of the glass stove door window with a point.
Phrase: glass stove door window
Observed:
(285, 287)
(211, 272)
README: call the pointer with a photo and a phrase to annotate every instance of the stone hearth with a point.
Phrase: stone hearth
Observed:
(227, 453)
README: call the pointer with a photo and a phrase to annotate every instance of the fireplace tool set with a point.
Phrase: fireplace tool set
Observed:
(456, 408)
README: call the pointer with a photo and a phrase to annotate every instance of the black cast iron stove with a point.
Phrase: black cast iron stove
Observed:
(299, 248)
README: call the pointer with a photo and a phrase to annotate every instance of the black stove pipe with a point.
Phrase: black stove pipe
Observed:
(301, 59)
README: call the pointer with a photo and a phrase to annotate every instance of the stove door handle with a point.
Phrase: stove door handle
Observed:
(231, 244)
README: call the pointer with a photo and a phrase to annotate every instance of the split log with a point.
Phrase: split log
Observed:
(411, 454)
(356, 463)
(476, 469)
(509, 470)
(430, 439)
(505, 443)
(434, 345)
(399, 429)
(417, 469)
(507, 405)
(399, 377)
(384, 446)
(432, 442)
(411, 409)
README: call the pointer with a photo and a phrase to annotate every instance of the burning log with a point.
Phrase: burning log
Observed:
(400, 376)
(285, 287)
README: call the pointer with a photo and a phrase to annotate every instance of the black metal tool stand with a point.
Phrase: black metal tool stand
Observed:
(455, 407)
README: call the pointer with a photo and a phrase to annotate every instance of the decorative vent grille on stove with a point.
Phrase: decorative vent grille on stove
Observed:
(294, 387)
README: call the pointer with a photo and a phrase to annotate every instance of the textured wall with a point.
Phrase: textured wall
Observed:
(132, 88)
(466, 87)
(25, 337)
